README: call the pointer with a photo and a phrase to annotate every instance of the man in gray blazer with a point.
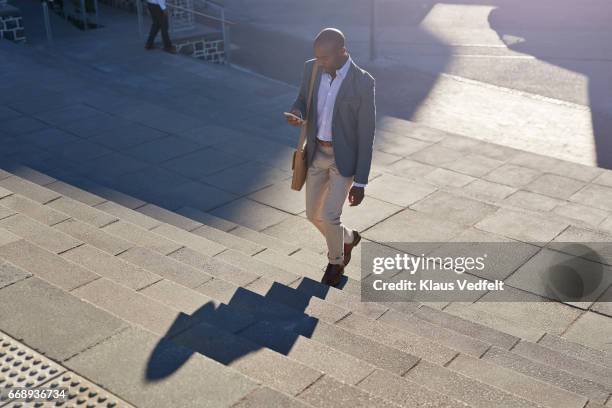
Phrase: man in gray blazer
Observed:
(340, 135)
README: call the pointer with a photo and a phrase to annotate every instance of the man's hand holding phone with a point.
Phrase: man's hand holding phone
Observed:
(294, 118)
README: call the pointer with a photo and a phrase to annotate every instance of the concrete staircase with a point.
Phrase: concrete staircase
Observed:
(277, 332)
(187, 309)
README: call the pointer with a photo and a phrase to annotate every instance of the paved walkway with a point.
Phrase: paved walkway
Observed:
(145, 210)
(552, 57)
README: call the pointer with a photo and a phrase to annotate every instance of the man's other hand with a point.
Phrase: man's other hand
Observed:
(293, 121)
(356, 195)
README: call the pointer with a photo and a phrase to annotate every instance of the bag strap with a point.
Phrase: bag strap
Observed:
(313, 76)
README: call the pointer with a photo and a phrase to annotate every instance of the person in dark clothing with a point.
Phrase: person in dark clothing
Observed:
(159, 15)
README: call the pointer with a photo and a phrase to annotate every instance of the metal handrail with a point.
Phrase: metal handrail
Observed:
(222, 20)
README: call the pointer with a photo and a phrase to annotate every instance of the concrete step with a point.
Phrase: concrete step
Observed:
(518, 384)
(466, 389)
(576, 350)
(562, 379)
(46, 237)
(108, 351)
(433, 333)
(467, 327)
(536, 352)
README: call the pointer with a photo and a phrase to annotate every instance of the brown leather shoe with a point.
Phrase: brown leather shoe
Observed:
(171, 49)
(333, 274)
(149, 46)
(348, 248)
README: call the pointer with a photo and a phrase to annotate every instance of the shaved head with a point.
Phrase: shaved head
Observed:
(330, 50)
(331, 36)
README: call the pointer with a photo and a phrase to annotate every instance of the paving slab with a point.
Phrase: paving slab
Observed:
(448, 178)
(436, 155)
(267, 397)
(228, 240)
(128, 214)
(528, 317)
(28, 189)
(361, 347)
(298, 231)
(526, 387)
(161, 150)
(413, 227)
(555, 186)
(166, 267)
(395, 336)
(111, 267)
(409, 168)
(21, 124)
(192, 194)
(93, 236)
(194, 241)
(216, 267)
(461, 210)
(486, 190)
(258, 266)
(327, 391)
(250, 214)
(589, 215)
(474, 165)
(81, 151)
(49, 137)
(207, 218)
(77, 193)
(594, 196)
(67, 114)
(82, 212)
(137, 366)
(129, 135)
(95, 125)
(280, 196)
(139, 236)
(264, 365)
(467, 327)
(543, 372)
(106, 169)
(201, 163)
(39, 234)
(33, 209)
(512, 175)
(531, 201)
(330, 361)
(10, 274)
(46, 265)
(576, 350)
(398, 190)
(247, 178)
(41, 314)
(536, 352)
(133, 307)
(593, 330)
(522, 226)
(169, 217)
(463, 388)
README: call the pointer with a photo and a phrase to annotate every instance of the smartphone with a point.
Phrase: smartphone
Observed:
(291, 115)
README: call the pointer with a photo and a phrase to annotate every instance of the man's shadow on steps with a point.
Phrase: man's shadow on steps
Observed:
(247, 323)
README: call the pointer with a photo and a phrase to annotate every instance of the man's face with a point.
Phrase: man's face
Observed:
(329, 56)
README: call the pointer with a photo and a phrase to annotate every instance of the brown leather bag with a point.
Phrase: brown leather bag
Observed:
(299, 164)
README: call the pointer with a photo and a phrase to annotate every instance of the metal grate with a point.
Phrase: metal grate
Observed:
(181, 16)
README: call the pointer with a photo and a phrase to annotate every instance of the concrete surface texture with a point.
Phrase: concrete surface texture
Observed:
(150, 244)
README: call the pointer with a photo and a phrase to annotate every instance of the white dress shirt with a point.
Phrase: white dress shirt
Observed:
(326, 99)
(161, 3)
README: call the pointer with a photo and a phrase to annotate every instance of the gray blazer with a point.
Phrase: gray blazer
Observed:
(353, 121)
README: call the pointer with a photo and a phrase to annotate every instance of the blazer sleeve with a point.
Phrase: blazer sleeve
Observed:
(366, 127)
(300, 100)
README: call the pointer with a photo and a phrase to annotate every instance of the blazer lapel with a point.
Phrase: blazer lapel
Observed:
(346, 83)
(315, 96)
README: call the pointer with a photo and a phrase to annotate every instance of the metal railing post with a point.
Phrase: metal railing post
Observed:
(139, 11)
(45, 8)
(226, 37)
(84, 15)
(372, 30)
(97, 15)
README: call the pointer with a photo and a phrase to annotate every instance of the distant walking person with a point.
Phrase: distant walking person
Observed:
(159, 15)
(340, 136)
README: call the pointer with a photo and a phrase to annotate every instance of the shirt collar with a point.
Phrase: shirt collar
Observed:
(344, 69)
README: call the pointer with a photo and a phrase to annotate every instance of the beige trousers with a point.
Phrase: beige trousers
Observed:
(326, 192)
